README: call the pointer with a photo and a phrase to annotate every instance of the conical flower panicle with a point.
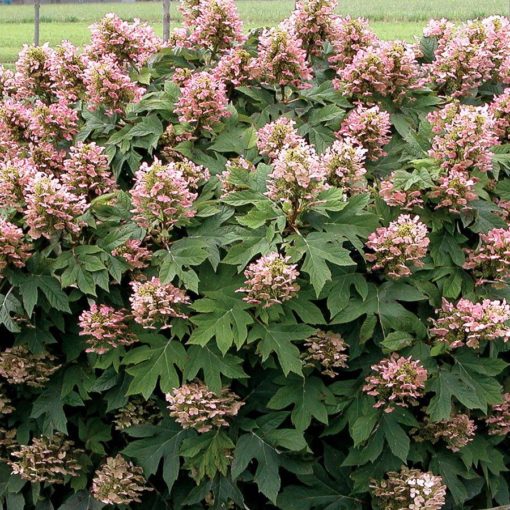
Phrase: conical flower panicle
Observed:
(369, 127)
(281, 59)
(396, 381)
(396, 247)
(119, 482)
(19, 366)
(14, 250)
(467, 324)
(194, 405)
(162, 198)
(153, 303)
(105, 328)
(344, 165)
(327, 349)
(47, 459)
(276, 136)
(270, 280)
(297, 178)
(52, 208)
(137, 412)
(87, 172)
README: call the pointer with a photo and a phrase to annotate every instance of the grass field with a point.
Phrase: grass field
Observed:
(391, 19)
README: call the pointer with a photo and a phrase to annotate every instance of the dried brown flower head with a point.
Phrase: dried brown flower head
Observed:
(19, 366)
(327, 349)
(456, 432)
(137, 412)
(47, 459)
(118, 482)
(195, 406)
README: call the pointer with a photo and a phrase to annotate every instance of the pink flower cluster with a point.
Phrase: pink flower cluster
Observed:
(6, 80)
(454, 191)
(51, 208)
(67, 69)
(314, 23)
(469, 55)
(467, 323)
(344, 165)
(464, 136)
(216, 27)
(396, 381)
(189, 9)
(297, 177)
(203, 101)
(37, 122)
(490, 262)
(270, 280)
(134, 254)
(499, 419)
(53, 122)
(195, 406)
(351, 36)
(161, 198)
(100, 74)
(387, 69)
(15, 119)
(46, 157)
(235, 67)
(106, 328)
(276, 136)
(281, 59)
(396, 247)
(154, 303)
(14, 250)
(109, 86)
(128, 43)
(442, 29)
(410, 489)
(500, 110)
(87, 172)
(33, 75)
(369, 127)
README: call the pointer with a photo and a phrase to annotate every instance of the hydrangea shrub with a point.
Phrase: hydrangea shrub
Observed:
(256, 270)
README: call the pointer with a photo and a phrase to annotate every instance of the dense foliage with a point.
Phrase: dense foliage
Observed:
(256, 271)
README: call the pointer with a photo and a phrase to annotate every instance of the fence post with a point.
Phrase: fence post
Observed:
(166, 20)
(37, 20)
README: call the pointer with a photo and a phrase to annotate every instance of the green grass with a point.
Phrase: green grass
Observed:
(391, 19)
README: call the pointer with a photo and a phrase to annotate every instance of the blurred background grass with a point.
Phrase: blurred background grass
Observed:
(391, 19)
